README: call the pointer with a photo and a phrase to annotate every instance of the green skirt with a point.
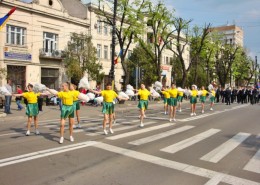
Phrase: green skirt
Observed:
(108, 108)
(173, 102)
(67, 111)
(212, 99)
(166, 100)
(76, 105)
(179, 98)
(143, 104)
(203, 99)
(193, 100)
(32, 109)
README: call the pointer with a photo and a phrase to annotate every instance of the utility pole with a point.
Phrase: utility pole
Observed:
(256, 71)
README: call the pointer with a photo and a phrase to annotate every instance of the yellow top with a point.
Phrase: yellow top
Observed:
(180, 93)
(166, 94)
(194, 93)
(66, 97)
(31, 96)
(173, 92)
(204, 93)
(108, 95)
(144, 94)
(213, 93)
(75, 95)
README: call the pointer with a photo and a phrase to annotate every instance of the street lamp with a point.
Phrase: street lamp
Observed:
(112, 70)
(255, 70)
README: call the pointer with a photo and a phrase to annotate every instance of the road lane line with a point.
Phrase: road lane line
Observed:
(202, 172)
(44, 153)
(121, 128)
(220, 152)
(160, 136)
(190, 141)
(215, 180)
(143, 130)
(14, 133)
(254, 164)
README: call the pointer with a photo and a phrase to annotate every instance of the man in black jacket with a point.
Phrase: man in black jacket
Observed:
(228, 96)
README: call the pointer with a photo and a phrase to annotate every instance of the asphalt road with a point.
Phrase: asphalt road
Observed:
(217, 147)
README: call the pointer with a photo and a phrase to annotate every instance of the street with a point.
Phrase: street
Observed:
(218, 147)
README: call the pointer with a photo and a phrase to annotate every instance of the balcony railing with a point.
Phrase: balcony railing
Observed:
(54, 54)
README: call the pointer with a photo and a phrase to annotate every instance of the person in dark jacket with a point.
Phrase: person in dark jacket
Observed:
(228, 95)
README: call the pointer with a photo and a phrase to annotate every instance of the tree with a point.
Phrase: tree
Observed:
(3, 73)
(81, 57)
(160, 21)
(130, 25)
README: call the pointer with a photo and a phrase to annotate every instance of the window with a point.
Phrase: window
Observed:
(129, 53)
(99, 27)
(167, 60)
(50, 41)
(98, 51)
(105, 52)
(105, 29)
(15, 35)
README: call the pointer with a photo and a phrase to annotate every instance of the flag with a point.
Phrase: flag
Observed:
(4, 19)
(118, 57)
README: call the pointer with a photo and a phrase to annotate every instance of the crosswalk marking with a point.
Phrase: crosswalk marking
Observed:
(190, 141)
(215, 180)
(220, 152)
(160, 136)
(121, 128)
(140, 131)
(186, 168)
(254, 164)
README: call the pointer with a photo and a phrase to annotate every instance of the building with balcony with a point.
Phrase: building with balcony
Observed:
(34, 38)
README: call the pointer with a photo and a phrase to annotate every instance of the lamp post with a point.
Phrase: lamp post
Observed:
(112, 70)
(255, 70)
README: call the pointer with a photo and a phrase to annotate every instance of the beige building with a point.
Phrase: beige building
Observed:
(232, 34)
(33, 40)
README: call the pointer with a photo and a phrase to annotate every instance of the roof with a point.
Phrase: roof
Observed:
(75, 8)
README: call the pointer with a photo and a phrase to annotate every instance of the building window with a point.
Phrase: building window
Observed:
(98, 51)
(15, 35)
(167, 60)
(50, 42)
(105, 52)
(129, 53)
(105, 29)
(99, 27)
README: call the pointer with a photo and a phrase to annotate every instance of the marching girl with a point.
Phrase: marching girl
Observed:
(32, 109)
(75, 103)
(212, 98)
(108, 106)
(173, 101)
(143, 102)
(166, 101)
(203, 98)
(193, 99)
(179, 100)
(67, 109)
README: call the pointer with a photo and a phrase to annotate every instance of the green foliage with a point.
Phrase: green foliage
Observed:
(81, 57)
(3, 73)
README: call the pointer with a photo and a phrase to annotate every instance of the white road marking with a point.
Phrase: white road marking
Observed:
(220, 152)
(190, 141)
(160, 136)
(254, 164)
(143, 130)
(121, 128)
(202, 172)
(44, 153)
(215, 180)
(14, 133)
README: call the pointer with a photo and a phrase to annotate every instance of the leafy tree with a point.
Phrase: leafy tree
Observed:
(160, 22)
(130, 17)
(81, 57)
(3, 73)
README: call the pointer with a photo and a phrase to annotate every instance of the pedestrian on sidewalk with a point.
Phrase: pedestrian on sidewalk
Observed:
(8, 98)
(18, 99)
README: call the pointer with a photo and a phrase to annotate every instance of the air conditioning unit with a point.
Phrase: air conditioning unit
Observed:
(56, 53)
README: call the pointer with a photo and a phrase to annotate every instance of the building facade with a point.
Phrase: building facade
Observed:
(33, 40)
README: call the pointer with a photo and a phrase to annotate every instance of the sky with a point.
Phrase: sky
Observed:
(242, 13)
